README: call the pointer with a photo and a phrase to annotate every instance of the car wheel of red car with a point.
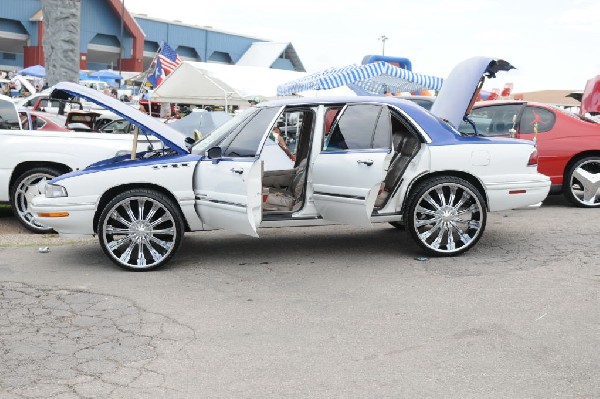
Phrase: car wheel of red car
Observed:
(24, 188)
(582, 182)
(446, 215)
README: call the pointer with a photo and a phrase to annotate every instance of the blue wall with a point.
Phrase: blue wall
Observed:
(101, 25)
(205, 41)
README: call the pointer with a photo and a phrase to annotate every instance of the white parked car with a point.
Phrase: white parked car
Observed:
(31, 156)
(358, 160)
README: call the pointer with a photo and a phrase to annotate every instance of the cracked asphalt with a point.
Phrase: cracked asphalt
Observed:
(321, 312)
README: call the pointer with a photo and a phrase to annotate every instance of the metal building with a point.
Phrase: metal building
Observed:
(102, 41)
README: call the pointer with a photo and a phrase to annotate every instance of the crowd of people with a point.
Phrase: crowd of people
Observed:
(12, 86)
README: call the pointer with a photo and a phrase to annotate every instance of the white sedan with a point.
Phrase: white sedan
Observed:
(358, 161)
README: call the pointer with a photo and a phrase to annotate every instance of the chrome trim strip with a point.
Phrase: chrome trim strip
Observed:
(236, 204)
(339, 195)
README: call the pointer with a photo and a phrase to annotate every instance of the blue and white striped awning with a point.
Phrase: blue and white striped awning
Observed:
(377, 78)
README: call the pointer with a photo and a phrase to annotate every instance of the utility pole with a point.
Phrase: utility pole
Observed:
(383, 38)
(121, 40)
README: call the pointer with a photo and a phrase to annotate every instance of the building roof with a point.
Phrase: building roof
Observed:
(180, 23)
(264, 54)
(549, 96)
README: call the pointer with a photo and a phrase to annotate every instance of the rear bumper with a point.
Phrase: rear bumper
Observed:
(530, 191)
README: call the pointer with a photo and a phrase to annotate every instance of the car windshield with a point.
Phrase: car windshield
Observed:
(221, 132)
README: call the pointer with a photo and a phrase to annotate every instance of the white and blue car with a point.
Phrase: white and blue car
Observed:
(356, 160)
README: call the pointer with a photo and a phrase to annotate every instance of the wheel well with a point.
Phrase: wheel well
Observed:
(113, 192)
(25, 166)
(576, 158)
(463, 175)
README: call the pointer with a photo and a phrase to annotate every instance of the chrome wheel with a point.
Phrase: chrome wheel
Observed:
(140, 230)
(25, 188)
(446, 216)
(583, 183)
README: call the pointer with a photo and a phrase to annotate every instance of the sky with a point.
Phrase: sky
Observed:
(552, 43)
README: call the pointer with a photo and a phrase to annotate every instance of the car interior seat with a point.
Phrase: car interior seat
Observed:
(407, 147)
(290, 198)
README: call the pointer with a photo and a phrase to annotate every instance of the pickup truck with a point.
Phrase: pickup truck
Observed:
(29, 157)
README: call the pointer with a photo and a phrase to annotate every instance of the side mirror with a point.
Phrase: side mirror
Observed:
(189, 142)
(215, 153)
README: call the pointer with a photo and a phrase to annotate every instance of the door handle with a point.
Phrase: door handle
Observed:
(368, 162)
(238, 171)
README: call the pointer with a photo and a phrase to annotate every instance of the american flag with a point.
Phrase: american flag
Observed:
(169, 59)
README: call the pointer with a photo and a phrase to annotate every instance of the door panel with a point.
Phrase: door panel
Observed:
(228, 194)
(346, 184)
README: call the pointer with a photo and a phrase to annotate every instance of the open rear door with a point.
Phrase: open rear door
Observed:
(348, 171)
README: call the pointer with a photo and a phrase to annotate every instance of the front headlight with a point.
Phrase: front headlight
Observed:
(55, 191)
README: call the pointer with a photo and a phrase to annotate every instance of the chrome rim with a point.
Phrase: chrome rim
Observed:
(26, 191)
(139, 232)
(448, 218)
(585, 183)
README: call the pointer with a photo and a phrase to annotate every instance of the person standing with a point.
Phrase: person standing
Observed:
(15, 87)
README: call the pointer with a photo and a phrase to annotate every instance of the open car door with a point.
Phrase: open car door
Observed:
(228, 194)
(348, 172)
(228, 181)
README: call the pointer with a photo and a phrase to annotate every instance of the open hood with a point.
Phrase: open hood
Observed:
(590, 99)
(460, 89)
(171, 137)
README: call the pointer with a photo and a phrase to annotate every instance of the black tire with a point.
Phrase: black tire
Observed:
(21, 191)
(446, 215)
(398, 225)
(140, 229)
(579, 190)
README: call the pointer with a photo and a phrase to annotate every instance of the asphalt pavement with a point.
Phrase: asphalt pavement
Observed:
(324, 312)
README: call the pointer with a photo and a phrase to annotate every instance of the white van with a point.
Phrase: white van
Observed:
(94, 84)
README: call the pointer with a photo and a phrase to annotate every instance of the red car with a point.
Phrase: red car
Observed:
(34, 120)
(568, 144)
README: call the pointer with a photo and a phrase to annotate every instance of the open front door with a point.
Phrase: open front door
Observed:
(228, 194)
(348, 172)
(228, 187)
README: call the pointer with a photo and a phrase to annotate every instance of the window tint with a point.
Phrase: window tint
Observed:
(223, 132)
(120, 126)
(9, 119)
(247, 138)
(356, 128)
(496, 120)
(382, 136)
(544, 118)
(38, 123)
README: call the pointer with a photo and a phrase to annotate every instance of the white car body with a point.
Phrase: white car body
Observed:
(59, 151)
(221, 184)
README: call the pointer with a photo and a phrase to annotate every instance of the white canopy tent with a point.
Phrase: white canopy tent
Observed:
(219, 84)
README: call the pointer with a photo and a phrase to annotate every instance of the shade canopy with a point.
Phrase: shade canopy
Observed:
(374, 78)
(83, 76)
(219, 84)
(105, 74)
(35, 70)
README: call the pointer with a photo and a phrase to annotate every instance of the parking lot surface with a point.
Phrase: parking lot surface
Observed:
(313, 312)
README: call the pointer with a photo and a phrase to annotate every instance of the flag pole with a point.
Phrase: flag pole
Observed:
(150, 67)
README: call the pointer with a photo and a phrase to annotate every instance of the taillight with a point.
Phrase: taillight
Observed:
(533, 158)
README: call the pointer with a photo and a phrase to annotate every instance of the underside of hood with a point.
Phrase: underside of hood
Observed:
(460, 89)
(172, 138)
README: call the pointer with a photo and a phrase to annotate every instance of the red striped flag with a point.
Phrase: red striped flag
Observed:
(169, 59)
